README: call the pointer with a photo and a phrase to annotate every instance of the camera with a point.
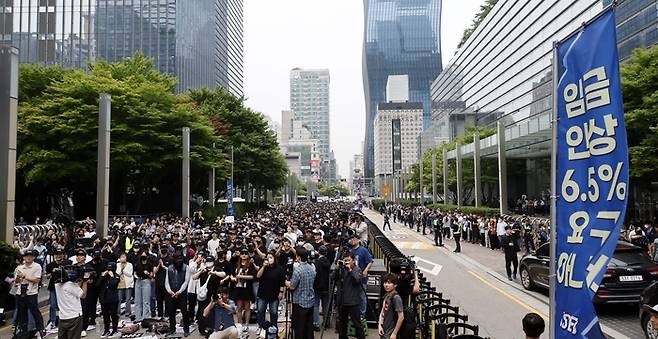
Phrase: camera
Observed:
(72, 273)
(403, 264)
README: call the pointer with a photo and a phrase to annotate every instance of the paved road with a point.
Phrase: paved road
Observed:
(475, 280)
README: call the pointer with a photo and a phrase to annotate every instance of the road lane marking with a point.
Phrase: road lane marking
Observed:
(513, 298)
(411, 245)
(436, 268)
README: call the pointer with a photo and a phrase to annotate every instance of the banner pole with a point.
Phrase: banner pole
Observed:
(553, 227)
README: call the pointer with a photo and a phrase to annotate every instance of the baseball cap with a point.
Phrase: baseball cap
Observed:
(29, 252)
(81, 252)
(650, 309)
(323, 249)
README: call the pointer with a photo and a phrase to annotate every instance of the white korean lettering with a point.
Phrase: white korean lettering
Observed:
(575, 137)
(597, 94)
(573, 95)
(565, 267)
(578, 221)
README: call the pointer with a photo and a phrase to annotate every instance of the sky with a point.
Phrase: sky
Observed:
(284, 34)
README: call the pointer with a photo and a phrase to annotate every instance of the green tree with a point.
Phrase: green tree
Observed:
(258, 161)
(330, 191)
(640, 89)
(479, 17)
(58, 130)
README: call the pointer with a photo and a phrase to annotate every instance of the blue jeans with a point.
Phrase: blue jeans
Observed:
(142, 299)
(52, 318)
(262, 304)
(324, 298)
(125, 294)
(153, 300)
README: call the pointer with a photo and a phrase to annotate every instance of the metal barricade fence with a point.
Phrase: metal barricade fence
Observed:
(437, 318)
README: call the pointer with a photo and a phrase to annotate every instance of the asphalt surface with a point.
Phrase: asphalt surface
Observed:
(475, 280)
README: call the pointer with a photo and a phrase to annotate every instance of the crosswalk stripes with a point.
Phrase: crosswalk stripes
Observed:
(412, 245)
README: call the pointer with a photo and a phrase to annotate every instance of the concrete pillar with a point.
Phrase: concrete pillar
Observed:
(477, 170)
(211, 187)
(445, 176)
(433, 178)
(103, 168)
(8, 131)
(460, 189)
(420, 180)
(186, 173)
(502, 167)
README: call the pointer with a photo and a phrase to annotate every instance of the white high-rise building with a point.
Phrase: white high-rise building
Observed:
(286, 126)
(309, 100)
(397, 127)
(397, 88)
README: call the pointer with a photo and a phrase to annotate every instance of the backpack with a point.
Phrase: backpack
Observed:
(408, 328)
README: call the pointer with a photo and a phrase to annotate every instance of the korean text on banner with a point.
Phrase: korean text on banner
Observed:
(592, 172)
(229, 197)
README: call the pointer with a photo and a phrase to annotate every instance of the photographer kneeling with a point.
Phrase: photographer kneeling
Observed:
(70, 290)
(219, 313)
(349, 296)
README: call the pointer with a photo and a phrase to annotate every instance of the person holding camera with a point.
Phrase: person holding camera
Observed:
(220, 313)
(70, 291)
(177, 277)
(106, 285)
(301, 285)
(349, 296)
(270, 291)
(207, 279)
(27, 279)
(52, 269)
(321, 286)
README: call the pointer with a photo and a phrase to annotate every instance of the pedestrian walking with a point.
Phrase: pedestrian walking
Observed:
(387, 222)
(437, 225)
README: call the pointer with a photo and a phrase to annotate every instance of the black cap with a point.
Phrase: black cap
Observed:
(81, 252)
(59, 250)
(323, 250)
(30, 252)
(508, 227)
(96, 253)
(111, 266)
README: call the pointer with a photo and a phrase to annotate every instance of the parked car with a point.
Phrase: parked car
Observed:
(648, 297)
(629, 272)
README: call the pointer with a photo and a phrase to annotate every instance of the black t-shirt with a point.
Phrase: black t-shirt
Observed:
(141, 268)
(49, 270)
(162, 272)
(271, 281)
(322, 267)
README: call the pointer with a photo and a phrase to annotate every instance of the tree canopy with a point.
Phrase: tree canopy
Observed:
(640, 89)
(58, 134)
(479, 17)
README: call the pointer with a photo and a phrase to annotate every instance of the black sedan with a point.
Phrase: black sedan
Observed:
(629, 272)
(649, 297)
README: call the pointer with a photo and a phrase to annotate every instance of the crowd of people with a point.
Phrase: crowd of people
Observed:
(211, 273)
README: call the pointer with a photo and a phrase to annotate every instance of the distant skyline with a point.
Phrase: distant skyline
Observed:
(282, 35)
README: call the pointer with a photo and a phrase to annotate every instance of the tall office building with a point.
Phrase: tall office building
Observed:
(199, 42)
(400, 37)
(309, 101)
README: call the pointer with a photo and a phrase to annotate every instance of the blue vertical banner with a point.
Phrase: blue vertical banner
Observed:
(591, 174)
(229, 197)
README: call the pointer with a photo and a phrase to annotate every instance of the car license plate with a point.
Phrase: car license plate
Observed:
(630, 278)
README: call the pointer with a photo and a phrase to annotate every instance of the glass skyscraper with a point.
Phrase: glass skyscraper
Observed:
(199, 41)
(400, 37)
(637, 25)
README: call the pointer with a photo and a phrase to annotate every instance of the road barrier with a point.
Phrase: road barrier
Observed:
(436, 317)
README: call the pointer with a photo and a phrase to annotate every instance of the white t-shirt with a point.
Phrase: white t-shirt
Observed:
(68, 300)
(32, 272)
(362, 231)
(500, 228)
